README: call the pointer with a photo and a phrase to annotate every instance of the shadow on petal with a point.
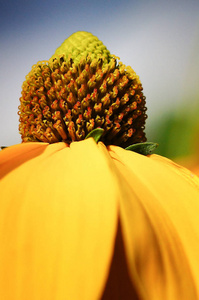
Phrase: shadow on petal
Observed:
(119, 285)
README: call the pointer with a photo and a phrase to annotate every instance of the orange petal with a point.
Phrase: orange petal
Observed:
(159, 205)
(196, 170)
(58, 220)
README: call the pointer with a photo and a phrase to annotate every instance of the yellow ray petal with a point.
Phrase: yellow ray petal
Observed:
(19, 153)
(58, 219)
(159, 208)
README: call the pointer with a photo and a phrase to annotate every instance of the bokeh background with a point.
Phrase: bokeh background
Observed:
(158, 39)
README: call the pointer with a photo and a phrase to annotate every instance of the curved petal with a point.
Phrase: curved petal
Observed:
(20, 154)
(58, 220)
(159, 207)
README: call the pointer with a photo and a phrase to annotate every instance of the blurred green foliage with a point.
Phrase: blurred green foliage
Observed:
(176, 132)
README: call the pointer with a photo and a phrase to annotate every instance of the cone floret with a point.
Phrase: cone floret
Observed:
(64, 99)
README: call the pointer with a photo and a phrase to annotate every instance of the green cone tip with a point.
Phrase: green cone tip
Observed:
(81, 44)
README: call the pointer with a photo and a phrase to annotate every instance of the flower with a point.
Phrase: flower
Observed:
(87, 220)
(196, 170)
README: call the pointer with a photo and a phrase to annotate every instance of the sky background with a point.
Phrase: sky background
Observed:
(158, 39)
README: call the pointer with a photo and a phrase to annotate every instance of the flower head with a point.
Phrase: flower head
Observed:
(82, 87)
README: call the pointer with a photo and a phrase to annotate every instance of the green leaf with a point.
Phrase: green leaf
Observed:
(95, 134)
(143, 148)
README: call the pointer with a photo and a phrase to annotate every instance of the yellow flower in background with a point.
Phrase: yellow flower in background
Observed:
(86, 220)
(196, 170)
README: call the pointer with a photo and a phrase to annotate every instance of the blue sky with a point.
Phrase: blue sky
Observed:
(158, 39)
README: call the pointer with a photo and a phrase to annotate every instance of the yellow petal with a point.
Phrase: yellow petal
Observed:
(58, 220)
(19, 154)
(159, 205)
